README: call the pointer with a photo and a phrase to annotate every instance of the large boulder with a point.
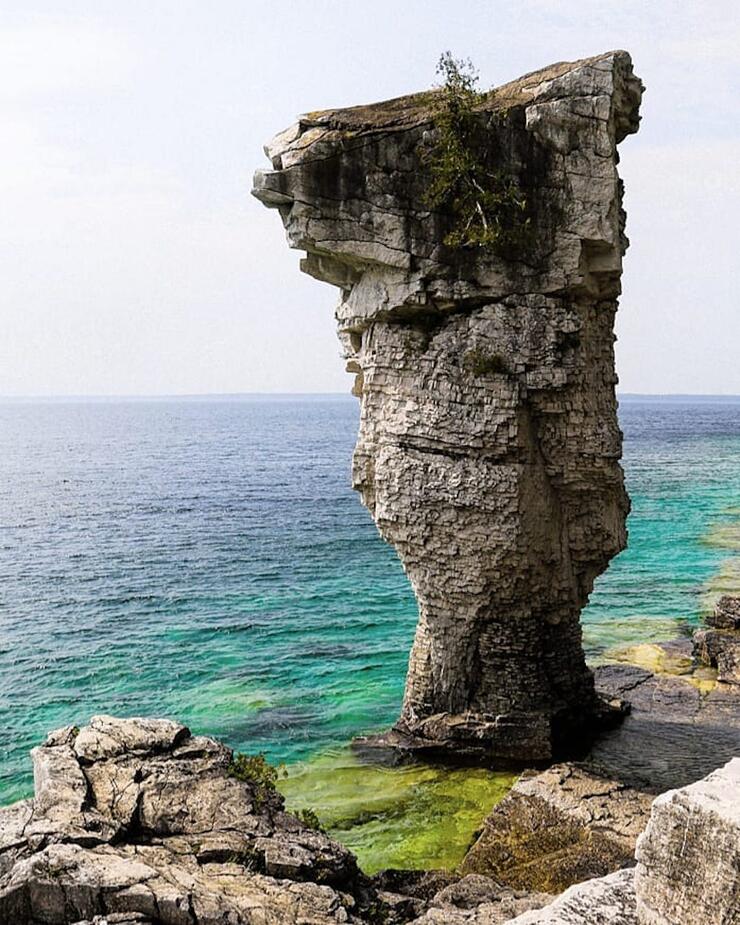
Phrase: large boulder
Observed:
(688, 858)
(558, 828)
(136, 820)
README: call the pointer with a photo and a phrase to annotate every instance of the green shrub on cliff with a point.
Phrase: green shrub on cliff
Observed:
(487, 205)
(309, 818)
(257, 771)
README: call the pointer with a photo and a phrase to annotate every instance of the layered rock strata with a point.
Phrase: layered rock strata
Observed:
(137, 822)
(488, 450)
(678, 730)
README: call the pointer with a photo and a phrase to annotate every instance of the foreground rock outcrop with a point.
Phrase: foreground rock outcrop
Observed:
(577, 821)
(606, 901)
(137, 822)
(139, 817)
(688, 862)
(688, 858)
(558, 828)
(488, 450)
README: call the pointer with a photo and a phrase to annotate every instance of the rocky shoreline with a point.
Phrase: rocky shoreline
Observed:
(488, 454)
(139, 821)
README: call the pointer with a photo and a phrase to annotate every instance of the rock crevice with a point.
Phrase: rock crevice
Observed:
(488, 450)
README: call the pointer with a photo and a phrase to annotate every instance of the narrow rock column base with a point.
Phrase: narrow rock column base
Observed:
(512, 737)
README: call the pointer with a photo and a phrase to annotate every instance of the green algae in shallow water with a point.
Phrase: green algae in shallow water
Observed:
(414, 817)
(653, 658)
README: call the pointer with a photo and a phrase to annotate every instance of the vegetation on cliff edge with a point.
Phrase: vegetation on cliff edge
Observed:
(487, 204)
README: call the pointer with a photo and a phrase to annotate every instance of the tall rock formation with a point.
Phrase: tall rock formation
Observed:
(488, 450)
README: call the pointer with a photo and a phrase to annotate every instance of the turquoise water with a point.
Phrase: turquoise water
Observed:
(207, 560)
(682, 463)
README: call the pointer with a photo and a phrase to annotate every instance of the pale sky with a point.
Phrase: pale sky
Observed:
(134, 261)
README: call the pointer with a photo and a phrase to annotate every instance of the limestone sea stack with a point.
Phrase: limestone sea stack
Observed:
(488, 450)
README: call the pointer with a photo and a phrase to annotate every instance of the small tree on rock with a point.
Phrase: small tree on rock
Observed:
(487, 205)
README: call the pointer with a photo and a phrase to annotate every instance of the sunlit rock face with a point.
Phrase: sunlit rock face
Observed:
(488, 450)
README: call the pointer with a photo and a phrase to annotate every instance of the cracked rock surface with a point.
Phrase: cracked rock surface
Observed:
(488, 450)
(559, 827)
(139, 821)
(688, 858)
(606, 901)
(576, 821)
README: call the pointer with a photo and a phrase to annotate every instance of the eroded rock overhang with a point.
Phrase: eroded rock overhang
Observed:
(497, 481)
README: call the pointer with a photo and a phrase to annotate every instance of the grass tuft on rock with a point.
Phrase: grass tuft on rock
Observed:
(257, 771)
(309, 818)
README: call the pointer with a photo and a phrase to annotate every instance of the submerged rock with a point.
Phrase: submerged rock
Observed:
(560, 827)
(488, 450)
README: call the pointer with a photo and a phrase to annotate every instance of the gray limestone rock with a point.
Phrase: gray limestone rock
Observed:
(477, 900)
(726, 615)
(676, 732)
(195, 845)
(719, 645)
(688, 858)
(138, 821)
(488, 450)
(606, 901)
(719, 649)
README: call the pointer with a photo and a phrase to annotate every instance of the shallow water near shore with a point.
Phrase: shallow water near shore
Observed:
(414, 816)
(207, 560)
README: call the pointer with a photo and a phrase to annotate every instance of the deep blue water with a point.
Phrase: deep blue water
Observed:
(207, 559)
